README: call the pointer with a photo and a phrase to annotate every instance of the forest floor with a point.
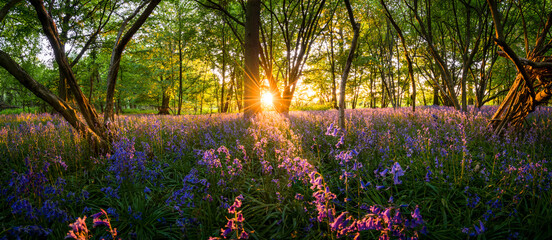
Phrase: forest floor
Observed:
(433, 174)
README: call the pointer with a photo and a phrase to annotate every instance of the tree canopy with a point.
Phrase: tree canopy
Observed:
(206, 56)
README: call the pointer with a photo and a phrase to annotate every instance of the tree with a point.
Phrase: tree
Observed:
(533, 83)
(252, 93)
(93, 129)
(425, 29)
(347, 68)
(406, 52)
(298, 24)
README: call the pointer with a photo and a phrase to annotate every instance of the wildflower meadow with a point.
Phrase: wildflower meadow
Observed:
(392, 174)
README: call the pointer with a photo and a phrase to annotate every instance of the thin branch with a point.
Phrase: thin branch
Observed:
(93, 36)
(218, 7)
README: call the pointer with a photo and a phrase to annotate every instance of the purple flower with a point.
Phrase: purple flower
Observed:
(416, 218)
(384, 172)
(479, 230)
(79, 225)
(428, 175)
(239, 217)
(364, 185)
(244, 235)
(397, 172)
(341, 141)
(316, 181)
(100, 222)
(232, 209)
(98, 215)
(331, 131)
(225, 232)
(339, 222)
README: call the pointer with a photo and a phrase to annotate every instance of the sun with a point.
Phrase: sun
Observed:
(267, 100)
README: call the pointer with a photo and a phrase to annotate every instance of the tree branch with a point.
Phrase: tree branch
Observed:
(43, 93)
(6, 9)
(526, 61)
(93, 36)
(218, 7)
(50, 30)
(117, 53)
(499, 40)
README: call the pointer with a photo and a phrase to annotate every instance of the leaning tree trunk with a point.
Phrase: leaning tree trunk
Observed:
(347, 68)
(533, 83)
(88, 122)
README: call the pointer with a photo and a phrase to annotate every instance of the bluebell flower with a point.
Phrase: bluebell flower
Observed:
(397, 172)
(364, 185)
(480, 229)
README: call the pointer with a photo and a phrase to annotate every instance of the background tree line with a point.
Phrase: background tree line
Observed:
(188, 57)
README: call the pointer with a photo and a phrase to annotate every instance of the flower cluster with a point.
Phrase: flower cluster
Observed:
(80, 231)
(234, 224)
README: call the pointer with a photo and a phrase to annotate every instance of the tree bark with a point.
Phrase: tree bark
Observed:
(252, 93)
(62, 107)
(165, 100)
(347, 68)
(222, 97)
(228, 98)
(522, 98)
(51, 33)
(180, 92)
(427, 34)
(332, 68)
(92, 128)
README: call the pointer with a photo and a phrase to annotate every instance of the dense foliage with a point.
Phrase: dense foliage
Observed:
(191, 52)
(436, 173)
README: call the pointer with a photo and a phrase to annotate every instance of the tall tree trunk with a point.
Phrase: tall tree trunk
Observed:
(165, 100)
(88, 112)
(222, 97)
(435, 96)
(92, 78)
(228, 98)
(202, 95)
(427, 34)
(332, 68)
(372, 93)
(252, 92)
(239, 90)
(347, 68)
(180, 92)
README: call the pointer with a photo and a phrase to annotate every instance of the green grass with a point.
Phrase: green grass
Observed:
(20, 110)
